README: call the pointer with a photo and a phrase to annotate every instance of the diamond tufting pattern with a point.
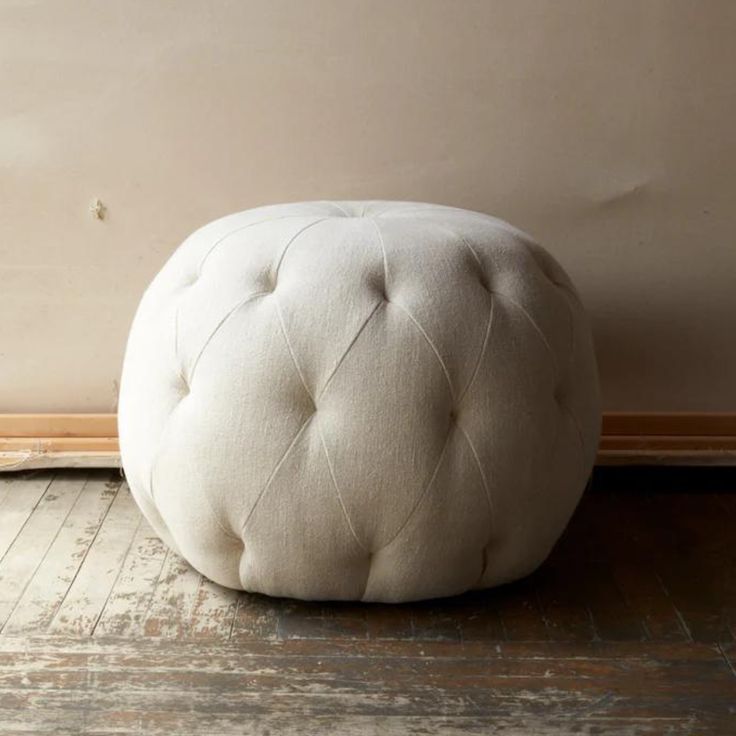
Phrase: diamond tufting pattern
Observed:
(383, 401)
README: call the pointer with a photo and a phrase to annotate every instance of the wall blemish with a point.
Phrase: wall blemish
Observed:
(98, 209)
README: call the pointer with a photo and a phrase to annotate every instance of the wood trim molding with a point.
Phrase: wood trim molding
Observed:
(643, 438)
(31, 441)
(58, 425)
(668, 438)
(669, 424)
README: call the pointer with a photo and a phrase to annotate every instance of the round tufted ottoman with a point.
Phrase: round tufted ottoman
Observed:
(383, 401)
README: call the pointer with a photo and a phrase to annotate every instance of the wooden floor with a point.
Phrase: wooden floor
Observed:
(629, 628)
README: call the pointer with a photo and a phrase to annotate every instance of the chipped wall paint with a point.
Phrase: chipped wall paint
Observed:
(605, 129)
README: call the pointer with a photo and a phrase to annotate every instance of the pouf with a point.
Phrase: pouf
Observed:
(380, 401)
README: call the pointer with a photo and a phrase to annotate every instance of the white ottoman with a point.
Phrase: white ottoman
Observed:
(382, 401)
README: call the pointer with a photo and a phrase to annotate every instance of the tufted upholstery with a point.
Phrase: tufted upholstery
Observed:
(359, 400)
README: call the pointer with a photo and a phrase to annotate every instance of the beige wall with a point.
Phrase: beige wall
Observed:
(606, 129)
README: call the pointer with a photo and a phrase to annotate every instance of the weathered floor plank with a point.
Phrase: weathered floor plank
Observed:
(27, 551)
(521, 614)
(213, 611)
(701, 584)
(647, 564)
(132, 594)
(145, 686)
(313, 620)
(169, 615)
(18, 497)
(384, 621)
(46, 590)
(256, 618)
(627, 629)
(635, 571)
(85, 600)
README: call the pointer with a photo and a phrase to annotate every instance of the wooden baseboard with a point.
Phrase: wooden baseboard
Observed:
(628, 438)
(31, 441)
(668, 438)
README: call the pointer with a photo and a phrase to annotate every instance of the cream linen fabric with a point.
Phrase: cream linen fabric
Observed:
(383, 401)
